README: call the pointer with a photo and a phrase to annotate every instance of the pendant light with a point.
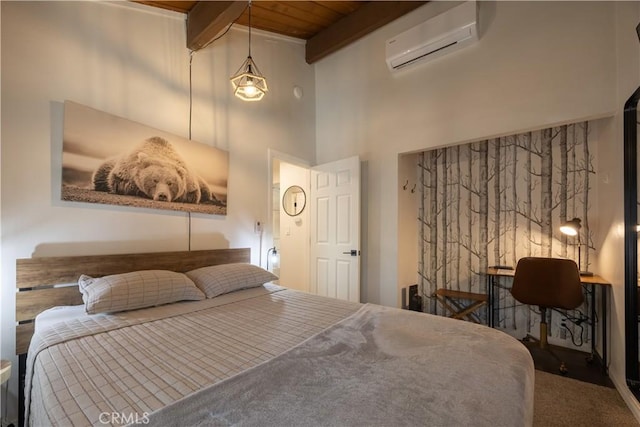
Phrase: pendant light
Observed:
(248, 83)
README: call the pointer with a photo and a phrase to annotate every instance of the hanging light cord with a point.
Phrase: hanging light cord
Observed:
(189, 231)
(191, 54)
(249, 6)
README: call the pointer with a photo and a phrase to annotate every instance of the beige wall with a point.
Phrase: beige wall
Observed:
(610, 165)
(408, 233)
(537, 64)
(294, 231)
(127, 61)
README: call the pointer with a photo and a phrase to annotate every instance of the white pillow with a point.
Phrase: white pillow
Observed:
(137, 289)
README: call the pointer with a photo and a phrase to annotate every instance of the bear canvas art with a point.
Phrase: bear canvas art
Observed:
(153, 169)
(108, 159)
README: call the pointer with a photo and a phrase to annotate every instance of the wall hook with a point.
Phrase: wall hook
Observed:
(413, 190)
(404, 187)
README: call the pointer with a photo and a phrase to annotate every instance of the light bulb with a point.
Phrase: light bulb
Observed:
(250, 89)
(569, 231)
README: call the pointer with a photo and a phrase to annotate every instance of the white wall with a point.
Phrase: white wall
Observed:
(537, 64)
(611, 183)
(127, 61)
(294, 231)
(408, 233)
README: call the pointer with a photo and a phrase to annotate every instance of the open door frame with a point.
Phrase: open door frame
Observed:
(631, 241)
(335, 209)
(274, 155)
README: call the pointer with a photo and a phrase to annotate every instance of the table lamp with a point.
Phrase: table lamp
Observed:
(572, 228)
(272, 254)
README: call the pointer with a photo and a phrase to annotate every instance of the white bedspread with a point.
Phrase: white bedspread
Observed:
(118, 369)
(100, 368)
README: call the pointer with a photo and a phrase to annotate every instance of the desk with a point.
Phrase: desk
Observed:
(590, 281)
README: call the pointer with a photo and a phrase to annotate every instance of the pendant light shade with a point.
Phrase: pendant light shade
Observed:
(248, 83)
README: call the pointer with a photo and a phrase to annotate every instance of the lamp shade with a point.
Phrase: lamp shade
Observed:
(248, 84)
(572, 227)
(272, 255)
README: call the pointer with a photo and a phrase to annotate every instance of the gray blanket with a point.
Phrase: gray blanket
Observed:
(379, 367)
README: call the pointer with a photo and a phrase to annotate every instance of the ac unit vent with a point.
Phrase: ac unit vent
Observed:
(442, 34)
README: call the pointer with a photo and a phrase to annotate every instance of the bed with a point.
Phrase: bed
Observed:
(264, 355)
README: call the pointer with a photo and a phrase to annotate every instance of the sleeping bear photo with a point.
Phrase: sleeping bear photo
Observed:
(153, 169)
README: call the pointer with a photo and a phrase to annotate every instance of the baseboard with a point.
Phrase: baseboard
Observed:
(626, 394)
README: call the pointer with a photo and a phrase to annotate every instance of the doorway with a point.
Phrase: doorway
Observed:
(315, 224)
(289, 231)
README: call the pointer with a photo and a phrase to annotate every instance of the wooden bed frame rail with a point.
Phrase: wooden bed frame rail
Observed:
(39, 280)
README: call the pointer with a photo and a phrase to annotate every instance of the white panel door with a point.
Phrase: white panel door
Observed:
(335, 229)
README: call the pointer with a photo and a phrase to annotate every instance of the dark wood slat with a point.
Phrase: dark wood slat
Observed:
(328, 25)
(363, 21)
(23, 337)
(283, 18)
(31, 303)
(207, 19)
(47, 271)
(342, 7)
(176, 6)
(300, 19)
(297, 13)
(278, 26)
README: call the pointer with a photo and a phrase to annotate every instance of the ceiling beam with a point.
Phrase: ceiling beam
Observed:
(356, 25)
(208, 18)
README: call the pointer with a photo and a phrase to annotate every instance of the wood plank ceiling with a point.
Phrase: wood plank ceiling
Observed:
(327, 26)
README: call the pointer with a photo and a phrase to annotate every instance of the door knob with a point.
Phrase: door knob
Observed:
(352, 252)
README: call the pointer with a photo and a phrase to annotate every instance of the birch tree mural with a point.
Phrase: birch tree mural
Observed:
(495, 201)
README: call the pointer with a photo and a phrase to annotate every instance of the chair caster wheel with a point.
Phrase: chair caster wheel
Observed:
(563, 370)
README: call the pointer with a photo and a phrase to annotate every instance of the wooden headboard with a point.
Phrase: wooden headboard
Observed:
(36, 278)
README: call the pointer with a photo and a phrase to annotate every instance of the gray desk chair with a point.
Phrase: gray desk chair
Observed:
(547, 283)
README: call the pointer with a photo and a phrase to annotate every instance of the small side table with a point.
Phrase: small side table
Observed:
(5, 371)
(5, 374)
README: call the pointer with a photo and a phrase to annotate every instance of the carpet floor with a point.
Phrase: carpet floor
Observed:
(561, 401)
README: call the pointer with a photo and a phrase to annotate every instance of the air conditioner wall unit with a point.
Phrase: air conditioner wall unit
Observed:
(442, 34)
